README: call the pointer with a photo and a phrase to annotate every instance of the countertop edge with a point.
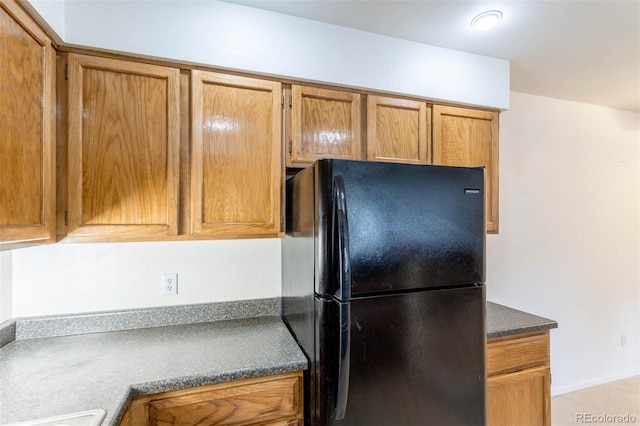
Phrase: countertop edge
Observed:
(504, 321)
(204, 379)
(186, 382)
(521, 330)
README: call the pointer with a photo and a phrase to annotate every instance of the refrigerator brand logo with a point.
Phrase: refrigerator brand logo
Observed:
(471, 191)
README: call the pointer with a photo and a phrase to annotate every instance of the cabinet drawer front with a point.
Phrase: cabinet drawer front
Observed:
(263, 402)
(516, 353)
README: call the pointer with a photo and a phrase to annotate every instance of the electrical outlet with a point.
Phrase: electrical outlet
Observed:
(170, 284)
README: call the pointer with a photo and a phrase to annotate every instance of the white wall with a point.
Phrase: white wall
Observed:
(568, 247)
(53, 12)
(6, 287)
(69, 278)
(239, 37)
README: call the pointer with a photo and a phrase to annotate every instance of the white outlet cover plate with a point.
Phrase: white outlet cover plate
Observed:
(170, 284)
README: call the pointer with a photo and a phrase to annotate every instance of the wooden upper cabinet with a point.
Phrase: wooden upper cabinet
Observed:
(123, 148)
(236, 161)
(468, 137)
(324, 124)
(397, 130)
(27, 130)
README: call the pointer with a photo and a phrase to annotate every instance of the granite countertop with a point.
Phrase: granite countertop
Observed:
(54, 376)
(62, 365)
(504, 321)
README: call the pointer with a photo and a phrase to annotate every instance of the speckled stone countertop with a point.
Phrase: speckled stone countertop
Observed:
(51, 376)
(504, 321)
(62, 365)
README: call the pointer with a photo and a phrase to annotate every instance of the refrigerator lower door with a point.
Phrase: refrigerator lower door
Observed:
(415, 359)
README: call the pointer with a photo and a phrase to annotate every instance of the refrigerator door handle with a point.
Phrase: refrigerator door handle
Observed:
(343, 293)
(341, 231)
(344, 360)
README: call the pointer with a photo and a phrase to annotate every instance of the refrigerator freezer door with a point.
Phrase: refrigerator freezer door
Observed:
(416, 359)
(410, 226)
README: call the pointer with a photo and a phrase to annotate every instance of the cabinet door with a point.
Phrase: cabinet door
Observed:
(397, 130)
(324, 124)
(270, 400)
(27, 156)
(236, 167)
(467, 137)
(520, 398)
(123, 148)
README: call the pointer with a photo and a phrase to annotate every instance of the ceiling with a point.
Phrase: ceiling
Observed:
(586, 51)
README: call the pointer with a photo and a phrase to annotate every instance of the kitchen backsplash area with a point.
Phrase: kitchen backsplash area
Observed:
(76, 278)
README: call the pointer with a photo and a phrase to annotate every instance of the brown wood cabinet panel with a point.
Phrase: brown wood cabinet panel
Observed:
(467, 137)
(519, 380)
(237, 166)
(397, 130)
(27, 129)
(123, 161)
(517, 352)
(270, 400)
(520, 398)
(324, 124)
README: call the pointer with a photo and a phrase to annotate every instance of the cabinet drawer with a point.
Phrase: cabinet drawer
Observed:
(507, 354)
(272, 400)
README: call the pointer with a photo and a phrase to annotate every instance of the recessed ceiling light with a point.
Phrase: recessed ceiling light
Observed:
(486, 20)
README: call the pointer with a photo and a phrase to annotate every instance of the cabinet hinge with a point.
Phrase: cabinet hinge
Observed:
(290, 99)
(66, 71)
(282, 100)
(290, 146)
(66, 218)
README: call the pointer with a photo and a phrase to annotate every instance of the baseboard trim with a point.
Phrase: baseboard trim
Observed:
(559, 390)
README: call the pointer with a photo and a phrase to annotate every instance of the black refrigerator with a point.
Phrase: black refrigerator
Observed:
(383, 289)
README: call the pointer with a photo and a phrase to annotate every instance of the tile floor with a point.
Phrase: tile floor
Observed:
(613, 403)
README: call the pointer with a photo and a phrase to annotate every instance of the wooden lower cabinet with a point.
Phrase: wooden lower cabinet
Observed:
(519, 380)
(271, 400)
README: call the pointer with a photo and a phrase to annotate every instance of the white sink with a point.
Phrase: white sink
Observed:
(84, 418)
